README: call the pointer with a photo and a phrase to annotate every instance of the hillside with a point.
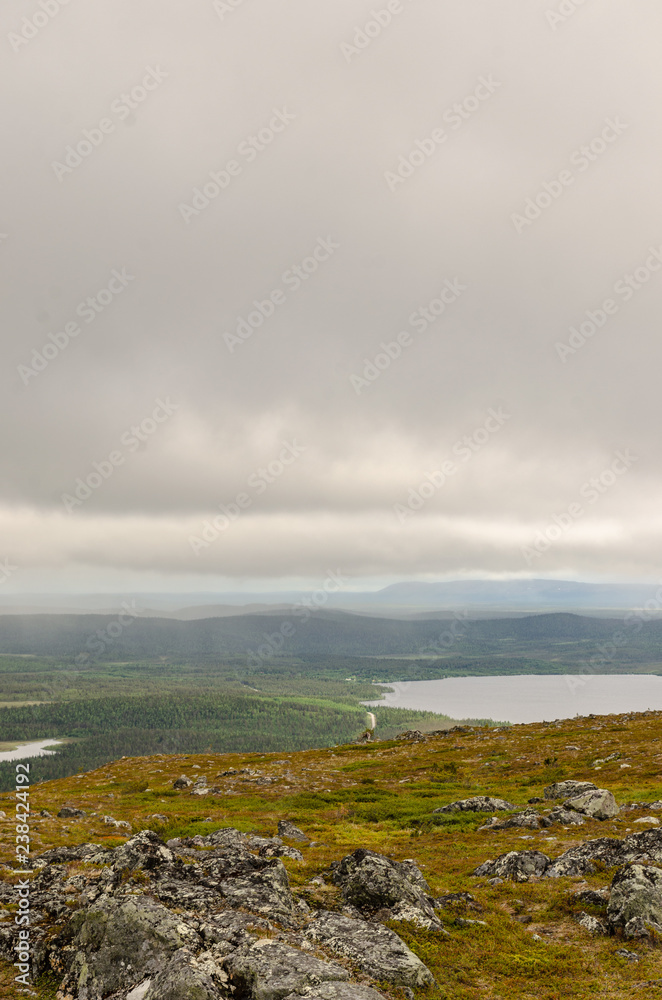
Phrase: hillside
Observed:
(515, 936)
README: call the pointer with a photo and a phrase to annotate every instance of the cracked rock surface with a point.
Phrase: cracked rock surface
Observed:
(213, 918)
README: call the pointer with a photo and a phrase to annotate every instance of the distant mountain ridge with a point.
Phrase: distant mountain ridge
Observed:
(406, 598)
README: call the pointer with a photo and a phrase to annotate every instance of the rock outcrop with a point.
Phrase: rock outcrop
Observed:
(212, 917)
(583, 859)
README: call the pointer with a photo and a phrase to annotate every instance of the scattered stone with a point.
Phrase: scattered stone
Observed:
(43, 812)
(597, 803)
(650, 820)
(287, 829)
(592, 924)
(182, 782)
(519, 866)
(564, 789)
(535, 800)
(413, 735)
(67, 813)
(635, 904)
(375, 949)
(479, 803)
(630, 956)
(159, 817)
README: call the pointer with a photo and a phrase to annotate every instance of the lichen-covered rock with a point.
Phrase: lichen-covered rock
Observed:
(564, 789)
(479, 803)
(116, 943)
(69, 813)
(592, 924)
(529, 819)
(187, 977)
(609, 852)
(375, 949)
(598, 803)
(269, 970)
(144, 851)
(287, 829)
(372, 882)
(245, 881)
(336, 991)
(518, 866)
(579, 860)
(635, 904)
(565, 817)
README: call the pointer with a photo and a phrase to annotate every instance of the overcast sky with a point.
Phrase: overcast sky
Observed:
(351, 350)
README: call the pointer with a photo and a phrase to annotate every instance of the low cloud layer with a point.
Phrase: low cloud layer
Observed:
(299, 286)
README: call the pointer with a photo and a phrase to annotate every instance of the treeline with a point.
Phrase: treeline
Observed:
(104, 729)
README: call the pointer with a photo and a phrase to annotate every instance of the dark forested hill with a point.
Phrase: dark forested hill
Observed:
(327, 633)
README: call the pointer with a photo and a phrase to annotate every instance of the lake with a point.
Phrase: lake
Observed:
(30, 750)
(530, 698)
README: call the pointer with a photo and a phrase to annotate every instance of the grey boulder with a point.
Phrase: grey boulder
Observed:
(598, 803)
(518, 866)
(635, 904)
(372, 882)
(375, 949)
(564, 789)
